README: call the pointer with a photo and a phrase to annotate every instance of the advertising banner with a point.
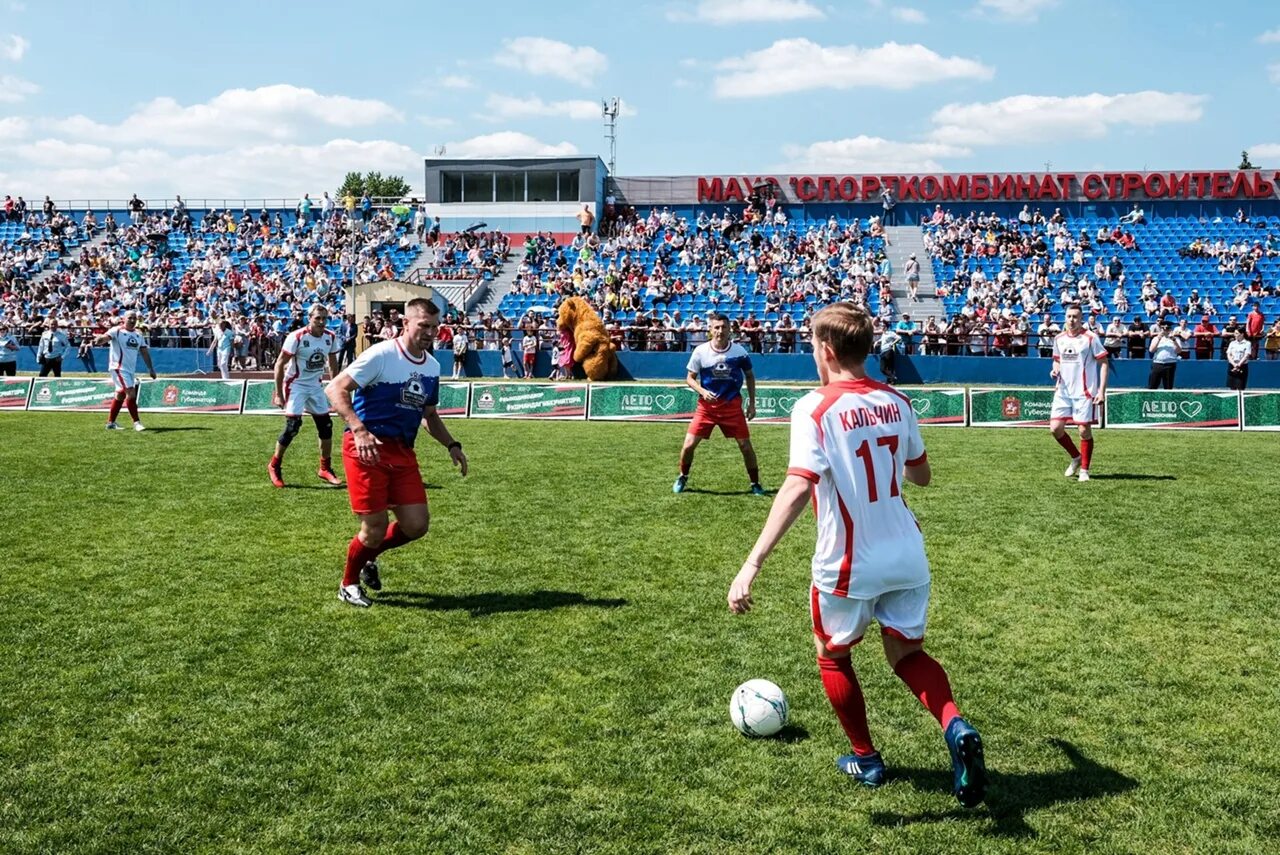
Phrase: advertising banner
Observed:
(257, 398)
(528, 401)
(13, 393)
(937, 407)
(1202, 409)
(774, 403)
(68, 393)
(1261, 410)
(453, 399)
(1010, 407)
(642, 402)
(191, 396)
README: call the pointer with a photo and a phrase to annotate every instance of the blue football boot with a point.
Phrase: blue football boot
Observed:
(867, 770)
(967, 763)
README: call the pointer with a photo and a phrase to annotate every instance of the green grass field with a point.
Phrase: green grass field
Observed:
(549, 671)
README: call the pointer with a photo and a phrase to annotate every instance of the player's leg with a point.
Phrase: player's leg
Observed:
(362, 550)
(1086, 448)
(292, 425)
(405, 494)
(1060, 416)
(691, 440)
(838, 624)
(131, 403)
(324, 432)
(116, 404)
(902, 616)
(752, 465)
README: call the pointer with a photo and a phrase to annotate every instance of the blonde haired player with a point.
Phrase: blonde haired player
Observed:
(304, 357)
(126, 343)
(1080, 370)
(852, 441)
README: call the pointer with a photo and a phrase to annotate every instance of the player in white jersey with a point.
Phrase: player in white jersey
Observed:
(304, 357)
(126, 342)
(853, 442)
(1081, 365)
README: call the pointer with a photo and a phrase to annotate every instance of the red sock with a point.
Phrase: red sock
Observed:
(928, 681)
(116, 404)
(395, 537)
(132, 404)
(1086, 452)
(357, 555)
(1070, 447)
(325, 466)
(842, 688)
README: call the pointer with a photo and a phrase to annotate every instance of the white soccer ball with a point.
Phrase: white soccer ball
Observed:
(758, 708)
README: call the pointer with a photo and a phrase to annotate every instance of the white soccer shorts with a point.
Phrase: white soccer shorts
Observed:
(1074, 408)
(842, 621)
(123, 380)
(303, 400)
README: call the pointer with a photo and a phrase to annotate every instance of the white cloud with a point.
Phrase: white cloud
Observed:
(1273, 71)
(15, 89)
(14, 47)
(271, 169)
(13, 128)
(907, 15)
(1015, 10)
(507, 144)
(278, 113)
(744, 11)
(51, 152)
(551, 58)
(456, 81)
(502, 107)
(1037, 118)
(1270, 37)
(869, 154)
(795, 65)
(1265, 151)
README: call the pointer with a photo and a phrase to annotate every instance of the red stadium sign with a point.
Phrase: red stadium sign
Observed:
(997, 187)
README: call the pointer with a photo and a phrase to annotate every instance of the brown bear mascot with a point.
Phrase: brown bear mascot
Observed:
(592, 348)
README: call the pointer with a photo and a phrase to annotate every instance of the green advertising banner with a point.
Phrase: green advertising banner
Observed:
(774, 403)
(528, 401)
(641, 402)
(1010, 407)
(1143, 408)
(67, 393)
(1261, 410)
(937, 407)
(453, 399)
(191, 396)
(14, 392)
(257, 398)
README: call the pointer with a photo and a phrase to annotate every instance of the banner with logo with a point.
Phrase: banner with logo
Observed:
(774, 403)
(14, 392)
(453, 399)
(1010, 407)
(71, 393)
(528, 401)
(191, 396)
(642, 402)
(1144, 408)
(937, 407)
(257, 398)
(1261, 410)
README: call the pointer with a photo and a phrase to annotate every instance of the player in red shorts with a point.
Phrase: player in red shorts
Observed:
(853, 442)
(717, 371)
(390, 389)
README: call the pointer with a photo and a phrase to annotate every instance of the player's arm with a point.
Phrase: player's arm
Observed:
(333, 365)
(282, 361)
(339, 394)
(145, 353)
(751, 393)
(103, 338)
(705, 394)
(920, 474)
(788, 504)
(1104, 374)
(440, 433)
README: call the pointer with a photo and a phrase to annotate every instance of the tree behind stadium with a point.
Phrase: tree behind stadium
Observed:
(375, 184)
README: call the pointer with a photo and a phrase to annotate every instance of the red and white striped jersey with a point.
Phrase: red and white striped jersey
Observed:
(1077, 358)
(310, 356)
(851, 440)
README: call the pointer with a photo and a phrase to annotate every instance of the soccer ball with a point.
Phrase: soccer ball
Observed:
(758, 708)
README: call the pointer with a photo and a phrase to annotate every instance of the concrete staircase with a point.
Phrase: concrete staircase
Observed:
(903, 242)
(47, 275)
(490, 294)
(486, 295)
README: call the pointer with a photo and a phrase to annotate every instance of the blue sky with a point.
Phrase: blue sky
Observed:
(258, 99)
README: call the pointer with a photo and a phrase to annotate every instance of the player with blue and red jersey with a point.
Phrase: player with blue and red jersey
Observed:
(384, 396)
(717, 371)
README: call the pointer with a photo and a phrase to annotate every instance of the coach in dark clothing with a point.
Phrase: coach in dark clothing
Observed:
(54, 345)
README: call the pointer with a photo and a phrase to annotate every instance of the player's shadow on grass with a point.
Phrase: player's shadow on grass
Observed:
(175, 429)
(746, 492)
(1011, 797)
(493, 602)
(1132, 476)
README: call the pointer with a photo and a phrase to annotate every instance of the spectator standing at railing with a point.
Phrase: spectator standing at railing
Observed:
(1166, 351)
(1205, 332)
(53, 346)
(888, 202)
(1273, 342)
(366, 209)
(1238, 353)
(1255, 323)
(137, 208)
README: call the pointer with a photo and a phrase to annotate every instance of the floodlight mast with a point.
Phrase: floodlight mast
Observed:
(610, 108)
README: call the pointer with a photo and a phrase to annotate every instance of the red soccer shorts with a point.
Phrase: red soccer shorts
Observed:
(394, 480)
(727, 415)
